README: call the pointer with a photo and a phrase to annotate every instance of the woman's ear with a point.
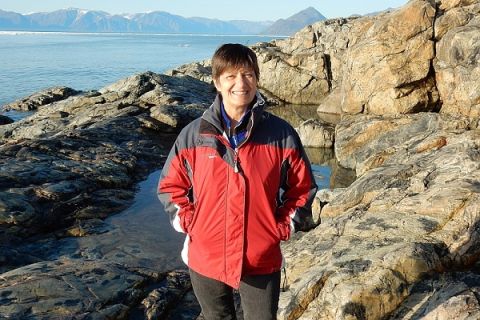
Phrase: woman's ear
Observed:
(215, 83)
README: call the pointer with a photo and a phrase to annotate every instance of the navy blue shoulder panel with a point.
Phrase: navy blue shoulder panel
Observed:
(275, 131)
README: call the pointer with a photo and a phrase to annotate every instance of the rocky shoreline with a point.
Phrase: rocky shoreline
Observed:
(401, 242)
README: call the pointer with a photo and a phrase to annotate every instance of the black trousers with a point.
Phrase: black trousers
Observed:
(259, 296)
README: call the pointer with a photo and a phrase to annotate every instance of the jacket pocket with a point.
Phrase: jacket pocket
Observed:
(186, 219)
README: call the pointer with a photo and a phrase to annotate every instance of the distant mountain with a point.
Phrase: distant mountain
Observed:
(251, 27)
(78, 20)
(13, 20)
(294, 23)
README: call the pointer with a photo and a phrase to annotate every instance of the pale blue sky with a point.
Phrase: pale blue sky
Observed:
(254, 10)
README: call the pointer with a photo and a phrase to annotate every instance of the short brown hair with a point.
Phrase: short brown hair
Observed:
(233, 55)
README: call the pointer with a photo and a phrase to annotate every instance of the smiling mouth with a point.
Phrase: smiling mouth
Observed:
(240, 93)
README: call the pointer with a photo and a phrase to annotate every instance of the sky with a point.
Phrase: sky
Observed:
(252, 10)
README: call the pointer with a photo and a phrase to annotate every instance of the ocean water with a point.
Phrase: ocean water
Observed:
(32, 61)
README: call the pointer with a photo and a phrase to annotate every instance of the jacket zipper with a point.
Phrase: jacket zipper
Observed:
(235, 160)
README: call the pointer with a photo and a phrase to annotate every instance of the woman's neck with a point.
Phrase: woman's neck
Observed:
(235, 113)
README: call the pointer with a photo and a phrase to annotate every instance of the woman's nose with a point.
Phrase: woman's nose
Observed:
(240, 78)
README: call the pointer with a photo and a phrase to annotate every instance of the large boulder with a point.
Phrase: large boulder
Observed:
(377, 65)
(387, 66)
(298, 79)
(305, 68)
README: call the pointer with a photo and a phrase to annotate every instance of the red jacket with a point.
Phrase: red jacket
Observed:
(237, 205)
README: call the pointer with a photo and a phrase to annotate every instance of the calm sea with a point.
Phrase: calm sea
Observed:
(30, 62)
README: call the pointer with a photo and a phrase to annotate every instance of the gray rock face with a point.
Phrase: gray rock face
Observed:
(294, 79)
(55, 290)
(63, 170)
(82, 289)
(78, 158)
(198, 70)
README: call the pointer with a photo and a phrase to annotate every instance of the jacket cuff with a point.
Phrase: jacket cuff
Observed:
(284, 231)
(177, 225)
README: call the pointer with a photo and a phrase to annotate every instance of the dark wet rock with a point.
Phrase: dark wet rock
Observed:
(41, 98)
(60, 289)
(159, 301)
(5, 120)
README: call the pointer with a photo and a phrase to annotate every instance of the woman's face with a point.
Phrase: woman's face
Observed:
(237, 87)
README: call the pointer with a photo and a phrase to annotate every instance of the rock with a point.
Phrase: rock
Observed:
(41, 98)
(323, 42)
(457, 69)
(315, 133)
(387, 67)
(363, 143)
(323, 197)
(454, 14)
(5, 120)
(174, 117)
(149, 89)
(332, 102)
(378, 65)
(303, 85)
(390, 244)
(443, 296)
(401, 222)
(77, 161)
(88, 227)
(160, 300)
(69, 287)
(327, 195)
(198, 70)
(341, 177)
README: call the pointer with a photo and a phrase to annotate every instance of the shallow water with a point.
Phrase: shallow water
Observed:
(140, 236)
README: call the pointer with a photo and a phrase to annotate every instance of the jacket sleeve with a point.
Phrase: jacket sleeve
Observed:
(175, 189)
(299, 189)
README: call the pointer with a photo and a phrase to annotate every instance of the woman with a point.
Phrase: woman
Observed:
(237, 182)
